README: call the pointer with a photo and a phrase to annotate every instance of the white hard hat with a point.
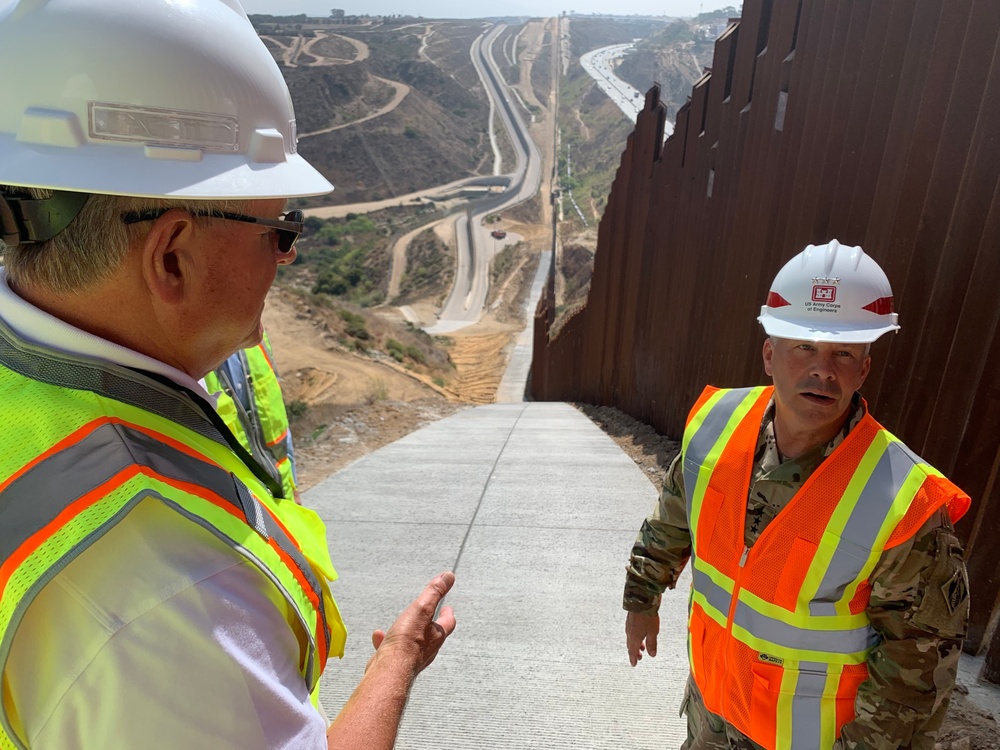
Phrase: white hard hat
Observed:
(830, 292)
(158, 98)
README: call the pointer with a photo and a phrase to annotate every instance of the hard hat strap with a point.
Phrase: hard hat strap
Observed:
(24, 219)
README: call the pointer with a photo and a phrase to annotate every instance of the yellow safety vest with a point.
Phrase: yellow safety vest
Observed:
(262, 429)
(779, 634)
(85, 441)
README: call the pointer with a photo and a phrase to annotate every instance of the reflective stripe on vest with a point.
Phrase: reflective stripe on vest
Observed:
(263, 428)
(118, 437)
(779, 634)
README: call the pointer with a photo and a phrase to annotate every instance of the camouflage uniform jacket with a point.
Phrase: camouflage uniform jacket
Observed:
(919, 599)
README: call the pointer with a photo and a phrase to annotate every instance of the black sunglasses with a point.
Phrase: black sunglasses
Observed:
(288, 229)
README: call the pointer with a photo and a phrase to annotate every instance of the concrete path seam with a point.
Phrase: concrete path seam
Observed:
(486, 486)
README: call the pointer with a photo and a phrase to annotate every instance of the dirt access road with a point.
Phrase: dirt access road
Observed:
(292, 57)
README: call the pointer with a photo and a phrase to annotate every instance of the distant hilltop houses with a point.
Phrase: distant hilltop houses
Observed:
(714, 21)
(618, 16)
(713, 30)
(267, 24)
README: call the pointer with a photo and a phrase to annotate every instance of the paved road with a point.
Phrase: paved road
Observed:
(536, 510)
(599, 65)
(466, 302)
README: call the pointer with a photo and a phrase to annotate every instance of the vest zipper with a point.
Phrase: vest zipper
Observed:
(731, 617)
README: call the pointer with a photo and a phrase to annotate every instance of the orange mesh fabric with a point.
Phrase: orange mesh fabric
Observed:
(707, 637)
(933, 493)
(749, 675)
(847, 690)
(785, 550)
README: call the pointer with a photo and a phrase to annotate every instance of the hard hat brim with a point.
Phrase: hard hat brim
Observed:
(783, 329)
(117, 171)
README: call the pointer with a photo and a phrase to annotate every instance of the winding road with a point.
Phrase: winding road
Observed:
(291, 55)
(466, 303)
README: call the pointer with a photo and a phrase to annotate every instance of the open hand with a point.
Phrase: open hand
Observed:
(416, 635)
(640, 635)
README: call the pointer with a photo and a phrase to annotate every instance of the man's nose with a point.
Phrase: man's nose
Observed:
(286, 258)
(822, 366)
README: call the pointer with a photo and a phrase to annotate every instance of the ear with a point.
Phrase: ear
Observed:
(167, 257)
(768, 354)
(866, 367)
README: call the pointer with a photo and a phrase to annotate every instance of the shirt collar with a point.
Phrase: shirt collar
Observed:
(39, 327)
(767, 454)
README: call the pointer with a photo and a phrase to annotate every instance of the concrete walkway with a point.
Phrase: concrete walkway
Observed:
(535, 509)
(515, 378)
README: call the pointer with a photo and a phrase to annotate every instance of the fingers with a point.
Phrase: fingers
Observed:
(416, 627)
(435, 591)
(446, 621)
(633, 640)
(635, 649)
(640, 635)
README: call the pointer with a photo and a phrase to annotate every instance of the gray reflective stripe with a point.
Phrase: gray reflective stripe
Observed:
(36, 497)
(717, 596)
(249, 421)
(708, 435)
(105, 379)
(40, 494)
(279, 451)
(902, 447)
(254, 513)
(862, 528)
(848, 641)
(807, 705)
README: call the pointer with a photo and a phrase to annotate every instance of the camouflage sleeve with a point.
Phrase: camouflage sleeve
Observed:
(662, 548)
(919, 607)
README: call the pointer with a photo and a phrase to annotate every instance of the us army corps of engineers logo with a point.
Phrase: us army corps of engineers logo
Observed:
(824, 294)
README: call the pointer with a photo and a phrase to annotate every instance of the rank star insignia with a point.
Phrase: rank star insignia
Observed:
(826, 280)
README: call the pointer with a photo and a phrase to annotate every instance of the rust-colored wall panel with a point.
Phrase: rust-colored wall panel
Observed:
(869, 121)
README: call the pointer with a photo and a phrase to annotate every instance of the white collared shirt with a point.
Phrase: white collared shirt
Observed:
(159, 634)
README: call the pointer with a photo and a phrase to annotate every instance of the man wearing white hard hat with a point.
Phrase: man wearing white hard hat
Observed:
(829, 596)
(156, 589)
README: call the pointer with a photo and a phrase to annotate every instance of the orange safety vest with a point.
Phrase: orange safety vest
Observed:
(779, 635)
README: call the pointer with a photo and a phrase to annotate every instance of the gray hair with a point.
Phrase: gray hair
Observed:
(94, 245)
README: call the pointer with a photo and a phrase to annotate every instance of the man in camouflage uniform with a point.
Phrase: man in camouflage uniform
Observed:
(919, 597)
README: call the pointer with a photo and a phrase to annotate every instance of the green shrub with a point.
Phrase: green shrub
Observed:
(396, 350)
(355, 325)
(330, 282)
(296, 409)
(416, 355)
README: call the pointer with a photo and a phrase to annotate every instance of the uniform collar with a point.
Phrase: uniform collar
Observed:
(766, 454)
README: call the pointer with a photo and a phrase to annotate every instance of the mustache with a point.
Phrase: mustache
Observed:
(822, 389)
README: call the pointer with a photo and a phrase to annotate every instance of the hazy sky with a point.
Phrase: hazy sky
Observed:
(466, 9)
